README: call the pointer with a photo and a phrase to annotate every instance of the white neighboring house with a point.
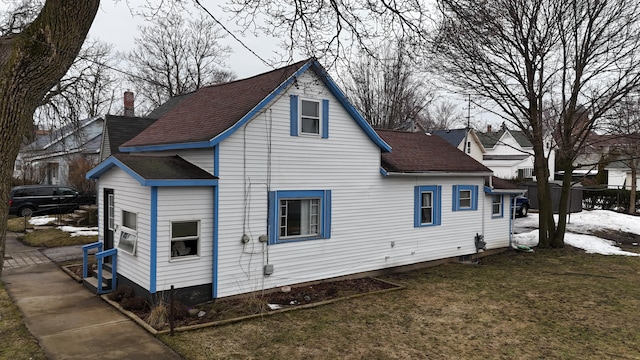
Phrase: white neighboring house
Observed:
(465, 139)
(46, 160)
(277, 180)
(509, 154)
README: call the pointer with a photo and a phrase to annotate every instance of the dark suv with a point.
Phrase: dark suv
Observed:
(29, 200)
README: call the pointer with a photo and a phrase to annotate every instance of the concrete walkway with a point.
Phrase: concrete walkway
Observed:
(69, 321)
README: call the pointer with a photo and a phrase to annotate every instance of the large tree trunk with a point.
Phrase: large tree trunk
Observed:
(634, 182)
(30, 64)
(563, 206)
(546, 229)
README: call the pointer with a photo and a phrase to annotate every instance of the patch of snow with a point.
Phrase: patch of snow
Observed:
(579, 225)
(79, 231)
(40, 220)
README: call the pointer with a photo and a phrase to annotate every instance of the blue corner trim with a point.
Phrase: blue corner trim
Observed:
(216, 160)
(456, 197)
(293, 115)
(384, 172)
(153, 241)
(214, 256)
(274, 201)
(436, 205)
(325, 119)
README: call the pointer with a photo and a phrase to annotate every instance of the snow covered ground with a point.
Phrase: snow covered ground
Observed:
(73, 230)
(579, 227)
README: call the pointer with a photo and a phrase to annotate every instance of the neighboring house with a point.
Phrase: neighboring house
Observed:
(465, 140)
(509, 154)
(277, 180)
(612, 154)
(46, 160)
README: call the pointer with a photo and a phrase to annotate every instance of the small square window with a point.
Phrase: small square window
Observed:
(185, 238)
(128, 234)
(465, 197)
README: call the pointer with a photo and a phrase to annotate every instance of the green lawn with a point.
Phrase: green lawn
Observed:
(551, 304)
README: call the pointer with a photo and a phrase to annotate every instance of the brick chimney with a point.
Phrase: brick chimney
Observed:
(128, 104)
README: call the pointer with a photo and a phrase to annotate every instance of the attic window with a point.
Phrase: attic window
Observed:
(309, 117)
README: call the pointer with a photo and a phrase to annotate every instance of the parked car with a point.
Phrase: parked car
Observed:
(522, 206)
(28, 200)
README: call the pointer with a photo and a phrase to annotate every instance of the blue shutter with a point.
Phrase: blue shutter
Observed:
(294, 114)
(325, 119)
(438, 206)
(326, 216)
(416, 206)
(455, 202)
(272, 225)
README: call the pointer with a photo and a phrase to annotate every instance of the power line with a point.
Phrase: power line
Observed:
(233, 35)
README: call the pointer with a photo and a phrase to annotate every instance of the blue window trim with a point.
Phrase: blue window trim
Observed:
(437, 205)
(456, 197)
(274, 211)
(294, 116)
(501, 215)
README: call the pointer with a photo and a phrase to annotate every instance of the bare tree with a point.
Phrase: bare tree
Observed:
(387, 91)
(443, 115)
(32, 62)
(88, 89)
(174, 56)
(580, 56)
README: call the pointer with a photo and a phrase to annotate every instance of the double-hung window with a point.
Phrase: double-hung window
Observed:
(299, 215)
(185, 238)
(128, 232)
(427, 205)
(496, 206)
(309, 117)
(465, 197)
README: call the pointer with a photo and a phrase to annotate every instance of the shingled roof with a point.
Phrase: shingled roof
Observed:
(211, 110)
(156, 170)
(420, 153)
(120, 129)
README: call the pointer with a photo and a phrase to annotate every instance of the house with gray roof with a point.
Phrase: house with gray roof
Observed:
(277, 180)
(509, 154)
(465, 139)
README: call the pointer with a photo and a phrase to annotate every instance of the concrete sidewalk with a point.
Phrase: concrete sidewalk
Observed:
(69, 321)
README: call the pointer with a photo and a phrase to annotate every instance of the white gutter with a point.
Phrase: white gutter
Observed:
(439, 174)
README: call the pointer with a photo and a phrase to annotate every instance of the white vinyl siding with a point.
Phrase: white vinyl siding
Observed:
(130, 196)
(369, 211)
(185, 204)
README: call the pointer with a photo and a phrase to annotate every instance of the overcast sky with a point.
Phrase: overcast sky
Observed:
(116, 24)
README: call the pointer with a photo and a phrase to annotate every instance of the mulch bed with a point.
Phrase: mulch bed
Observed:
(236, 308)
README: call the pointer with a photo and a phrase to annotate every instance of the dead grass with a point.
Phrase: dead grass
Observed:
(559, 304)
(17, 342)
(16, 224)
(55, 238)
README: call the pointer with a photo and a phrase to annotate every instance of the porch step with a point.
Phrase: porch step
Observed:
(91, 282)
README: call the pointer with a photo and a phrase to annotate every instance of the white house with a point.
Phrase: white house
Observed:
(509, 154)
(46, 160)
(465, 139)
(277, 180)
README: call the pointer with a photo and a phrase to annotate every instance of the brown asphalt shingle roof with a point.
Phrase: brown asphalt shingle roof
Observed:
(419, 152)
(211, 110)
(163, 167)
